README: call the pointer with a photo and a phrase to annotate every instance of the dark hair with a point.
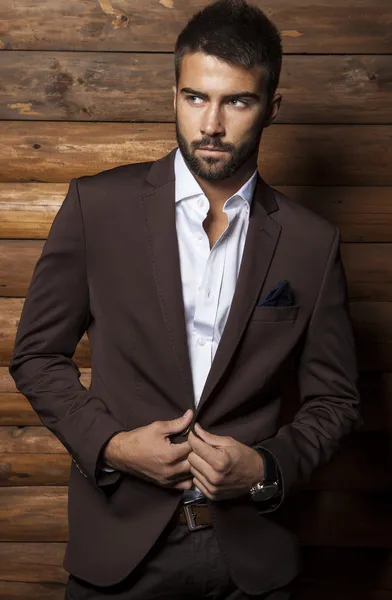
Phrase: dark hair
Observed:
(237, 33)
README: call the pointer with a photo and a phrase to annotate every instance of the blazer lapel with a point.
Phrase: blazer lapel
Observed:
(261, 240)
(159, 210)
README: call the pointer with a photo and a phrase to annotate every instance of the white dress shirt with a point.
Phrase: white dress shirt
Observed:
(208, 276)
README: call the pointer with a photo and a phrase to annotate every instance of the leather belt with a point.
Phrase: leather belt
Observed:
(195, 516)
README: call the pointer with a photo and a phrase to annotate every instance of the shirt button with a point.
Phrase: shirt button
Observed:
(200, 202)
(200, 237)
(201, 341)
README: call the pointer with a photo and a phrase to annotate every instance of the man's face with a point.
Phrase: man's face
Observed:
(220, 114)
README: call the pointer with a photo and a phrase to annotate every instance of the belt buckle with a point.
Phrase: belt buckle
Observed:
(190, 518)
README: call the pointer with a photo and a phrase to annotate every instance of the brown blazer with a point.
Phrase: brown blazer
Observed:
(110, 266)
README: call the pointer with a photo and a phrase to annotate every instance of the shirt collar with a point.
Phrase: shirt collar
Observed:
(187, 186)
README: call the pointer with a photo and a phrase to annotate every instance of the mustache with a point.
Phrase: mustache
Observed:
(212, 143)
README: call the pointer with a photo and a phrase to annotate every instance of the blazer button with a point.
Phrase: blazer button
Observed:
(187, 430)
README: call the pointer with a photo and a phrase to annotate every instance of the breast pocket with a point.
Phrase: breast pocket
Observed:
(275, 313)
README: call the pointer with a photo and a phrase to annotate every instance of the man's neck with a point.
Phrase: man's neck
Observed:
(218, 192)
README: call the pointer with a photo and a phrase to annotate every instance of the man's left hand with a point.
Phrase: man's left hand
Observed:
(222, 467)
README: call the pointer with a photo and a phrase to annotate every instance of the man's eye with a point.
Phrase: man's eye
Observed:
(237, 102)
(194, 99)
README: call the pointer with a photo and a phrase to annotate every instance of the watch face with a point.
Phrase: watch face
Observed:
(266, 493)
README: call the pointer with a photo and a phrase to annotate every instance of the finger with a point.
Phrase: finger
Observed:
(184, 485)
(210, 485)
(180, 471)
(199, 466)
(179, 452)
(211, 438)
(176, 425)
(212, 455)
(203, 488)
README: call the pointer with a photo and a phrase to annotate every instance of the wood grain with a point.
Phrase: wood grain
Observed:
(33, 591)
(321, 518)
(361, 26)
(368, 269)
(34, 469)
(107, 86)
(290, 154)
(29, 440)
(32, 563)
(27, 210)
(363, 214)
(35, 514)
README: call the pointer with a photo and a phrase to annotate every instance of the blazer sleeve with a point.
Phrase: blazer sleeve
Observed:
(327, 379)
(55, 315)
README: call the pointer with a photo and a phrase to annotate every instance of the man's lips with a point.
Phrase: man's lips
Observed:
(206, 149)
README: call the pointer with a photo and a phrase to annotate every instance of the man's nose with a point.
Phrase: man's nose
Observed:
(212, 123)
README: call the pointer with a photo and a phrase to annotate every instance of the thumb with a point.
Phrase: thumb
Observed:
(179, 424)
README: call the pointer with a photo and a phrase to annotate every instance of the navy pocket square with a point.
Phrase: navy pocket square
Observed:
(280, 295)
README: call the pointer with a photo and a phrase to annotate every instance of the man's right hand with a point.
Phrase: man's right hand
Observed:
(148, 453)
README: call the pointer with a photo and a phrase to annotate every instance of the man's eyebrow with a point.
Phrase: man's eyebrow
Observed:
(187, 90)
(236, 96)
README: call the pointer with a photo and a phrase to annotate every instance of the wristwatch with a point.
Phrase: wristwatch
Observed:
(269, 486)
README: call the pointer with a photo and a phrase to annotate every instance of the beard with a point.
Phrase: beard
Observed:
(213, 168)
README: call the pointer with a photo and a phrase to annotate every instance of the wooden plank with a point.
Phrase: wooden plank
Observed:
(32, 591)
(363, 214)
(10, 311)
(368, 269)
(321, 518)
(27, 210)
(30, 440)
(34, 469)
(32, 562)
(360, 26)
(15, 409)
(372, 323)
(17, 261)
(290, 154)
(33, 456)
(36, 514)
(103, 86)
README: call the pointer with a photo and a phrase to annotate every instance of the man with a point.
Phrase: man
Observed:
(199, 286)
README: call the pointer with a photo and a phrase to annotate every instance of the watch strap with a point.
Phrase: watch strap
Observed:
(271, 470)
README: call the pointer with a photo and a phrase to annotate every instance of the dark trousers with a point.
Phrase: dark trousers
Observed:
(182, 565)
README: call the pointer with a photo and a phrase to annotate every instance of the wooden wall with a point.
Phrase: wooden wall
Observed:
(85, 86)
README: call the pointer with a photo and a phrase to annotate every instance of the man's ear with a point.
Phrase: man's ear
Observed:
(174, 88)
(273, 111)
